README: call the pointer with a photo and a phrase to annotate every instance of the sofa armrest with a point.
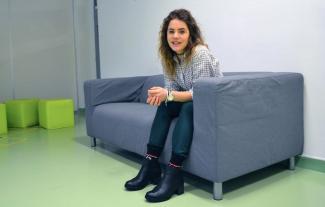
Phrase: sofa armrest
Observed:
(113, 90)
(247, 122)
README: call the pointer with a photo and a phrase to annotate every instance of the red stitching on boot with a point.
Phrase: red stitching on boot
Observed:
(173, 165)
(149, 156)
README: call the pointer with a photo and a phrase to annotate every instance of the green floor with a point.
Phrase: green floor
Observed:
(45, 168)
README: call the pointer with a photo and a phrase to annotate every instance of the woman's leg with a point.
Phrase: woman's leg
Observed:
(183, 132)
(160, 127)
(173, 181)
(150, 171)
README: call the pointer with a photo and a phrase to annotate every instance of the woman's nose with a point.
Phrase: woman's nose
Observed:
(175, 35)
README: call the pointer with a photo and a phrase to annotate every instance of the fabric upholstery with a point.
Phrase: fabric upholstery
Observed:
(151, 81)
(242, 122)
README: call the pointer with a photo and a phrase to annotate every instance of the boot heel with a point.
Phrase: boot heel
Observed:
(180, 190)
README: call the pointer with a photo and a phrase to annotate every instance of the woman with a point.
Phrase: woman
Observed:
(185, 58)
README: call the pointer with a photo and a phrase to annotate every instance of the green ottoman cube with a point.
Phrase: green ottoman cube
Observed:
(56, 113)
(3, 119)
(22, 113)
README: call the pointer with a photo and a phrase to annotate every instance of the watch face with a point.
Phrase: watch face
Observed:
(170, 97)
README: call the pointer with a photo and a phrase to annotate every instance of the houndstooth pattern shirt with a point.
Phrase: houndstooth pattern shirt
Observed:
(202, 64)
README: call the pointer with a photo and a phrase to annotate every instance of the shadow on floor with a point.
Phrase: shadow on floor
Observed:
(192, 182)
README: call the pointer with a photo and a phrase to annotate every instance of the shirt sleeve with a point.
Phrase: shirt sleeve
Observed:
(171, 84)
(204, 65)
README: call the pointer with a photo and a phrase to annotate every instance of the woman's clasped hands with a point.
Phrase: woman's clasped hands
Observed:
(156, 95)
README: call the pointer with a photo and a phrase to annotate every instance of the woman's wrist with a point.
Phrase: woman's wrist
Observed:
(166, 93)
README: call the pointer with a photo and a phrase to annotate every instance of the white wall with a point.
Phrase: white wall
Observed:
(255, 35)
(41, 55)
(128, 32)
(5, 70)
(47, 49)
(85, 45)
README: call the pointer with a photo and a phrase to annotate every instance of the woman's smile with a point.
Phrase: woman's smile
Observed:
(177, 35)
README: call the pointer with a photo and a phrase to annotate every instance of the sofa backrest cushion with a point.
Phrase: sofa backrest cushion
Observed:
(155, 80)
(242, 73)
(158, 80)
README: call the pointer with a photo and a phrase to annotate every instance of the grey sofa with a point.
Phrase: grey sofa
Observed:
(242, 122)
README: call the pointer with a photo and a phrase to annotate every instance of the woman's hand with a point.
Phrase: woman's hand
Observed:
(156, 95)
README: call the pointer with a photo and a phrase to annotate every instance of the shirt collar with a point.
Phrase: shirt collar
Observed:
(179, 58)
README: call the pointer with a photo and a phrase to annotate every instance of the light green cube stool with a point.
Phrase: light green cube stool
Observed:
(3, 119)
(56, 113)
(22, 113)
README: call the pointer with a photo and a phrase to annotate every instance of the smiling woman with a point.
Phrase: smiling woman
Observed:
(185, 58)
(177, 35)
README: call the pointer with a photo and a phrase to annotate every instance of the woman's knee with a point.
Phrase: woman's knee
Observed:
(162, 108)
(187, 108)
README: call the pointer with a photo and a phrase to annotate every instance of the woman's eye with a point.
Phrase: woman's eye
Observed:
(171, 32)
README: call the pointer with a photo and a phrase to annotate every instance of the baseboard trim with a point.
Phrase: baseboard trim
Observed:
(310, 163)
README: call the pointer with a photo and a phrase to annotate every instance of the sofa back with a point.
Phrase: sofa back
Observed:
(155, 80)
(243, 73)
(158, 80)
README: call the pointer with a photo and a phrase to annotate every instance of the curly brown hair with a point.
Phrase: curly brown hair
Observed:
(165, 52)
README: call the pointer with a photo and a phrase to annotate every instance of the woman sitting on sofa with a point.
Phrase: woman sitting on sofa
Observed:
(185, 58)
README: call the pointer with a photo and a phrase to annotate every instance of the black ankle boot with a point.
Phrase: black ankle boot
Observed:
(150, 172)
(171, 183)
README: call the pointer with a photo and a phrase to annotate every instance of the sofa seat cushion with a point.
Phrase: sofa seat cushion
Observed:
(117, 122)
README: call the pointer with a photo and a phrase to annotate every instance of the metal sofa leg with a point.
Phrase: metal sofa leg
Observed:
(93, 142)
(217, 191)
(292, 163)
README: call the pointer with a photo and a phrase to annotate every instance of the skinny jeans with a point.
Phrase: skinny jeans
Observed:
(183, 131)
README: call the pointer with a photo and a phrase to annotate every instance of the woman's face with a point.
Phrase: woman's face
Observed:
(177, 35)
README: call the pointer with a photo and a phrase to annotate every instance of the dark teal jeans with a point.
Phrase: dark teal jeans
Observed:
(183, 132)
